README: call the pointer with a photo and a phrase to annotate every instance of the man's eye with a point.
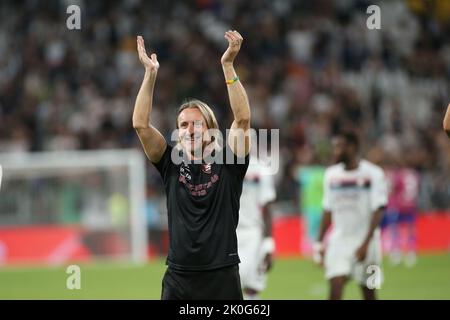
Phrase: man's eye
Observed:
(198, 124)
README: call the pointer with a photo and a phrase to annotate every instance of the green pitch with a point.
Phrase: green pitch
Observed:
(293, 279)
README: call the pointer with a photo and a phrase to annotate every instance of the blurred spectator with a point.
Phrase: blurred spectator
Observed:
(311, 67)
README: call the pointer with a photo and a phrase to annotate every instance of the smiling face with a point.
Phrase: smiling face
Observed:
(192, 126)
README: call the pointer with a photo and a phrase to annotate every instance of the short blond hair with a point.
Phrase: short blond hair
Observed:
(205, 110)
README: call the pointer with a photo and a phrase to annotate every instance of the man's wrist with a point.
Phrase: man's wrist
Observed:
(317, 252)
(231, 81)
(365, 243)
(268, 245)
(318, 246)
(151, 71)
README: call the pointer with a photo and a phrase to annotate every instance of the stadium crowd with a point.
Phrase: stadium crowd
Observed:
(310, 67)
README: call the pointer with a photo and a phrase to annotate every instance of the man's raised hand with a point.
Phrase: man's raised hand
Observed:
(150, 64)
(234, 45)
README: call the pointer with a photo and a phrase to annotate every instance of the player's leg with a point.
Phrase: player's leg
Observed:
(369, 274)
(337, 263)
(249, 245)
(337, 287)
(251, 294)
(368, 294)
(370, 279)
(257, 280)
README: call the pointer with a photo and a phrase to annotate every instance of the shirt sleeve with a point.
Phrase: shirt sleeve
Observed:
(267, 188)
(165, 162)
(239, 165)
(379, 192)
(326, 203)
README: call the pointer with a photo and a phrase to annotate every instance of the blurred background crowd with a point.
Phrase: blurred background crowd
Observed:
(310, 68)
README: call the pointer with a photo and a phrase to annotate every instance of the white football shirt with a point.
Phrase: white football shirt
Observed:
(352, 196)
(258, 189)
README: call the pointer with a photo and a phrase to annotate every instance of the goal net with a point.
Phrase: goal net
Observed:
(57, 207)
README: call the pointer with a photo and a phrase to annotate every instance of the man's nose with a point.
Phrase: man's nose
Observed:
(191, 127)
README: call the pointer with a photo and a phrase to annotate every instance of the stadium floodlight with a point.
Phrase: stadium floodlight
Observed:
(65, 205)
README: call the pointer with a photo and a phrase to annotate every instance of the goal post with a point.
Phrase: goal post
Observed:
(73, 205)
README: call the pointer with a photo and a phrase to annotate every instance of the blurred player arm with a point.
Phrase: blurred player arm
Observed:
(268, 195)
(374, 223)
(379, 198)
(268, 244)
(238, 98)
(446, 122)
(267, 217)
(325, 222)
(151, 139)
(318, 247)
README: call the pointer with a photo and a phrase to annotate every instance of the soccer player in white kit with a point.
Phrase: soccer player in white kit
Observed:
(355, 195)
(254, 231)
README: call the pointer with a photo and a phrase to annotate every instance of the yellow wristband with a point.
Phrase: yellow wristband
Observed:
(235, 79)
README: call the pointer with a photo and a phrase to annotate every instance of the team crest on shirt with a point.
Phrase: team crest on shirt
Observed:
(206, 168)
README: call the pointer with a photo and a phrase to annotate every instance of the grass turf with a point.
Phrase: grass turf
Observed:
(292, 279)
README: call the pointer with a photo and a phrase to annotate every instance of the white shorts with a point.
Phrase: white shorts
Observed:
(340, 260)
(251, 268)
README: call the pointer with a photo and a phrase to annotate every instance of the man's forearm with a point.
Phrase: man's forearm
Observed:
(267, 216)
(144, 101)
(237, 95)
(446, 123)
(374, 223)
(325, 223)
